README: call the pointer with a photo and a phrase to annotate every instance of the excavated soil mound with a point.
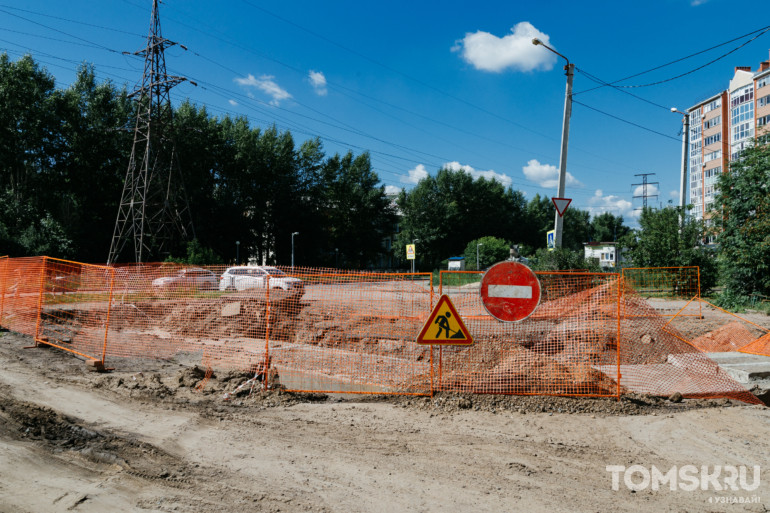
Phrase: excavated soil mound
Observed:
(729, 337)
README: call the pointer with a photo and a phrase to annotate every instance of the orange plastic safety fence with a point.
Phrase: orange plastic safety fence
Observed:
(558, 350)
(661, 284)
(74, 307)
(657, 359)
(326, 330)
(760, 346)
(21, 294)
(307, 329)
(717, 330)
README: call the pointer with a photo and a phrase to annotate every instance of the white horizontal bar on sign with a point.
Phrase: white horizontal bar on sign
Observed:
(510, 291)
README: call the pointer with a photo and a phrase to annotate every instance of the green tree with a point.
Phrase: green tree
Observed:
(491, 251)
(94, 145)
(607, 227)
(562, 259)
(359, 213)
(662, 241)
(197, 254)
(445, 210)
(743, 224)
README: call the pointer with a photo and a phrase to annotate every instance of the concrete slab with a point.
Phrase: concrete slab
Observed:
(747, 369)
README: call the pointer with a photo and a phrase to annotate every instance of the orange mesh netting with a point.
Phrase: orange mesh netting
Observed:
(761, 346)
(557, 350)
(717, 331)
(656, 358)
(21, 294)
(324, 330)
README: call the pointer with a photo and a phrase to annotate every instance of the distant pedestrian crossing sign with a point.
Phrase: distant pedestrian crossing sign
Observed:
(445, 326)
(410, 253)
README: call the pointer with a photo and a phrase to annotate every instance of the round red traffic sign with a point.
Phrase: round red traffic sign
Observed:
(510, 291)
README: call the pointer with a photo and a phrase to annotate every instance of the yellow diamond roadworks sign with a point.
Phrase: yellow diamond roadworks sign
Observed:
(444, 326)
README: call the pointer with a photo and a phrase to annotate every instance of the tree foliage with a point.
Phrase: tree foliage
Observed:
(491, 251)
(449, 209)
(743, 224)
(64, 155)
(663, 240)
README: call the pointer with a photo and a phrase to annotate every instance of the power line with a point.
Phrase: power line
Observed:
(598, 80)
(626, 121)
(762, 31)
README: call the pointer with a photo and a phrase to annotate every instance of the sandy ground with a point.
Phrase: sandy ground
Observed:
(143, 439)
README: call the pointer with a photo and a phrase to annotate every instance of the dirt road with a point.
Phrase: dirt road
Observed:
(143, 439)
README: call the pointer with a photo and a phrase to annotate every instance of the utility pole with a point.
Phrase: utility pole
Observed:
(569, 70)
(644, 185)
(153, 212)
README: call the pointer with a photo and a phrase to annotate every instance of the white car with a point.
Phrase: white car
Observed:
(253, 277)
(187, 279)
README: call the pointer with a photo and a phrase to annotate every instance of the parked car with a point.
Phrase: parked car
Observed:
(252, 277)
(191, 279)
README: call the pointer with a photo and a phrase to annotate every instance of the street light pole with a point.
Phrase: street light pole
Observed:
(685, 144)
(569, 68)
(477, 255)
(237, 256)
(292, 249)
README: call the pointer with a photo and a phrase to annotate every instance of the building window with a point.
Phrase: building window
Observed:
(712, 156)
(765, 100)
(695, 132)
(695, 148)
(742, 96)
(713, 105)
(712, 139)
(712, 122)
(762, 82)
(743, 131)
(763, 120)
(742, 113)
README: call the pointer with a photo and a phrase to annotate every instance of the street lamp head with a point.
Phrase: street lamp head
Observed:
(673, 109)
(536, 42)
(295, 233)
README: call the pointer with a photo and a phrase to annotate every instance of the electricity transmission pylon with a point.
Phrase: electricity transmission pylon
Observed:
(154, 212)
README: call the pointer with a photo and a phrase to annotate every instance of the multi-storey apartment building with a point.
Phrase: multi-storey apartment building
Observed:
(720, 128)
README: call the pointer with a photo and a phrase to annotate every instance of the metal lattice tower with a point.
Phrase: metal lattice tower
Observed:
(644, 185)
(154, 211)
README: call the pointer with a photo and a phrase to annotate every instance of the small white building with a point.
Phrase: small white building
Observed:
(456, 263)
(607, 254)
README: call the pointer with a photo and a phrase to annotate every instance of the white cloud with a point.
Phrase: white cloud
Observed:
(266, 84)
(696, 3)
(652, 190)
(546, 175)
(505, 180)
(232, 102)
(488, 52)
(318, 81)
(415, 175)
(392, 189)
(599, 203)
(674, 195)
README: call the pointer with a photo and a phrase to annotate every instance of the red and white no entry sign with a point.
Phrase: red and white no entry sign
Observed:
(510, 291)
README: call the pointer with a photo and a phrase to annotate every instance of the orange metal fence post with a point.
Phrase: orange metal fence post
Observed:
(3, 281)
(40, 299)
(267, 334)
(109, 312)
(619, 337)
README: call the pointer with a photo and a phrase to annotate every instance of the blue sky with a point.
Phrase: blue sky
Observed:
(423, 85)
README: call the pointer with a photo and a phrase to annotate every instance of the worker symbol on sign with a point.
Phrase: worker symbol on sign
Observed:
(444, 326)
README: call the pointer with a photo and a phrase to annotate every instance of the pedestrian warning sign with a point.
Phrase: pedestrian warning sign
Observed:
(444, 326)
